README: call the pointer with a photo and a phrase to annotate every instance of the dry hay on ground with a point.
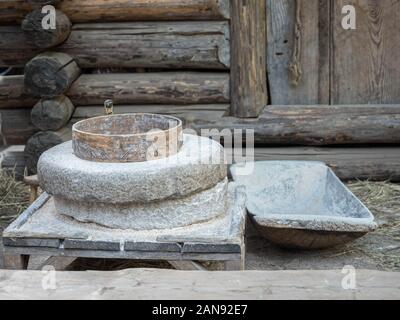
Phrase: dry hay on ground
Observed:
(14, 198)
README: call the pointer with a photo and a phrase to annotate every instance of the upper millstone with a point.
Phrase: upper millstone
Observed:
(197, 167)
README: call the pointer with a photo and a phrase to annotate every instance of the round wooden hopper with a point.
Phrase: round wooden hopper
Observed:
(127, 138)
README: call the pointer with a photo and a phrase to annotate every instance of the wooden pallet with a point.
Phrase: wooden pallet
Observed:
(40, 231)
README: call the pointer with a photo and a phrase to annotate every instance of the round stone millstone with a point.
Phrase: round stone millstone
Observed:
(197, 208)
(197, 167)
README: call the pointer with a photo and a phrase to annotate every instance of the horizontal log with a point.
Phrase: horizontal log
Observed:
(39, 37)
(142, 44)
(372, 163)
(318, 125)
(16, 126)
(13, 11)
(151, 88)
(52, 114)
(12, 93)
(187, 113)
(157, 284)
(50, 74)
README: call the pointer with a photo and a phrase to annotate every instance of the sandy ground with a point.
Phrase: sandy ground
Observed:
(379, 250)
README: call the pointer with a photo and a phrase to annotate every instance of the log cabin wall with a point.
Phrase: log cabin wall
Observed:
(203, 61)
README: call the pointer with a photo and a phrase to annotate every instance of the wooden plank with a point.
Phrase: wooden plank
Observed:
(249, 84)
(365, 65)
(199, 45)
(209, 247)
(177, 285)
(13, 95)
(152, 246)
(13, 11)
(151, 88)
(91, 245)
(187, 113)
(26, 242)
(16, 126)
(372, 163)
(318, 125)
(298, 40)
(133, 255)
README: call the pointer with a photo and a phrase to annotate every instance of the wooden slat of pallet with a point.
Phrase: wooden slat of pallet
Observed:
(13, 11)
(311, 84)
(318, 125)
(132, 255)
(365, 66)
(197, 45)
(176, 285)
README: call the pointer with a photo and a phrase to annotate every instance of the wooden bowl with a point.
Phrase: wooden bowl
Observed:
(127, 138)
(303, 205)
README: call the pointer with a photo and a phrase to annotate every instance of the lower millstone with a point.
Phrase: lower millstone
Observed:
(168, 214)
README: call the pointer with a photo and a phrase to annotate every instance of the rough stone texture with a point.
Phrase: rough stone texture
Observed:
(197, 167)
(197, 208)
(46, 223)
(303, 204)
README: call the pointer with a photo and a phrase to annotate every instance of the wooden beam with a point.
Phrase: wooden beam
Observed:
(298, 42)
(318, 125)
(50, 74)
(248, 58)
(16, 126)
(200, 45)
(372, 74)
(39, 37)
(151, 88)
(372, 163)
(13, 11)
(177, 285)
(12, 93)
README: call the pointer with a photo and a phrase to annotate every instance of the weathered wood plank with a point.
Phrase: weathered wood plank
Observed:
(134, 255)
(13, 11)
(298, 40)
(249, 84)
(15, 126)
(12, 93)
(187, 113)
(177, 285)
(200, 45)
(372, 163)
(151, 88)
(365, 61)
(318, 125)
